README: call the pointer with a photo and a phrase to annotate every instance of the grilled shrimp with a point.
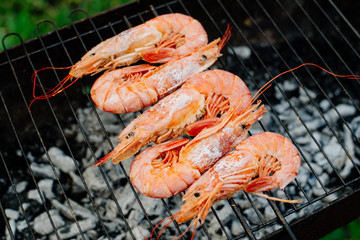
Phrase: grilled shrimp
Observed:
(262, 162)
(169, 118)
(133, 88)
(163, 170)
(158, 40)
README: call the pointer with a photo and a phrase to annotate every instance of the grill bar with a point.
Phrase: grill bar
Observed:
(205, 11)
(312, 102)
(345, 19)
(275, 113)
(46, 152)
(63, 135)
(8, 227)
(10, 231)
(333, 106)
(337, 29)
(122, 122)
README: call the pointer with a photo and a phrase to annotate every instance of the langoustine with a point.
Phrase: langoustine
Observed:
(163, 170)
(262, 162)
(169, 118)
(158, 40)
(134, 88)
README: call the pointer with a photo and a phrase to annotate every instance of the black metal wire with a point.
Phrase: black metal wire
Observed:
(61, 128)
(321, 88)
(35, 127)
(8, 227)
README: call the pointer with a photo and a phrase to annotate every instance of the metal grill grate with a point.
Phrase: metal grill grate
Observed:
(279, 36)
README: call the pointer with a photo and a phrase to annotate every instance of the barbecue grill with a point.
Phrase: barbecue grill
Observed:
(50, 191)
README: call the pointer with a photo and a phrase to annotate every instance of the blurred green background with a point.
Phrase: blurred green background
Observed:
(21, 16)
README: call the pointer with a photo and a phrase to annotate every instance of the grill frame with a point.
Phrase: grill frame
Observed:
(30, 49)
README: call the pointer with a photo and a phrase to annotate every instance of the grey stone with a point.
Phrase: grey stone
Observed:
(21, 186)
(34, 195)
(46, 187)
(71, 230)
(95, 181)
(242, 51)
(60, 160)
(236, 228)
(343, 110)
(42, 224)
(12, 214)
(44, 170)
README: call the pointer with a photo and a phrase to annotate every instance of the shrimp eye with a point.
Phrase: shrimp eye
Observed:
(243, 126)
(130, 135)
(196, 194)
(93, 54)
(203, 58)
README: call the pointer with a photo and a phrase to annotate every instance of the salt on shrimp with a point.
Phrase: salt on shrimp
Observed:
(158, 40)
(169, 118)
(262, 162)
(164, 170)
(134, 88)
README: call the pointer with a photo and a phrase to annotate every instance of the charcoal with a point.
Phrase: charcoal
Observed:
(243, 52)
(21, 225)
(95, 181)
(21, 186)
(35, 195)
(12, 225)
(44, 170)
(42, 224)
(45, 186)
(236, 228)
(12, 214)
(71, 230)
(77, 186)
(60, 160)
(342, 109)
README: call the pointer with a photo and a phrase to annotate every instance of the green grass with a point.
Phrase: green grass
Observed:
(21, 16)
(348, 232)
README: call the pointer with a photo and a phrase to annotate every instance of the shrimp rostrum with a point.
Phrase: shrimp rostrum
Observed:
(262, 162)
(169, 118)
(158, 40)
(169, 168)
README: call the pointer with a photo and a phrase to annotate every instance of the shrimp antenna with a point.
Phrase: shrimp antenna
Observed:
(276, 199)
(226, 37)
(172, 217)
(267, 85)
(188, 228)
(51, 91)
